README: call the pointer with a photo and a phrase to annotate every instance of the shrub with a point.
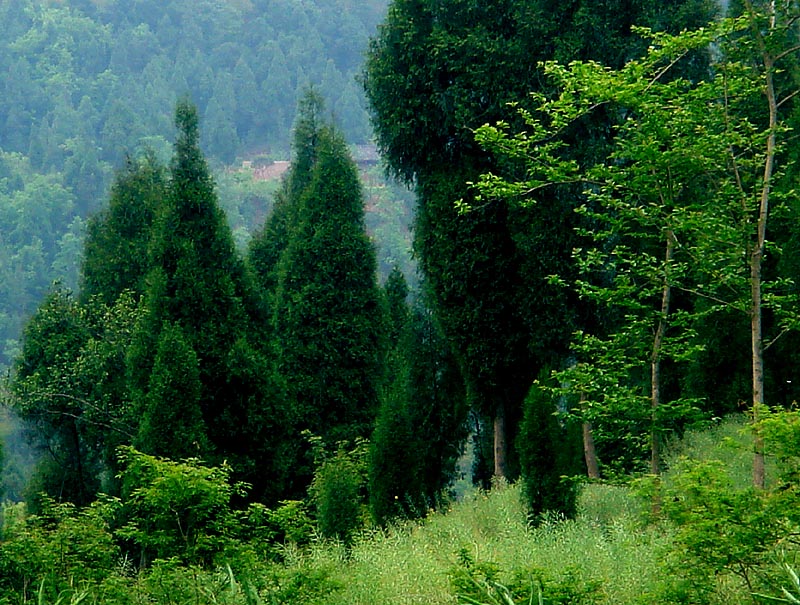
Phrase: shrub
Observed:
(338, 493)
(479, 584)
(177, 509)
(58, 549)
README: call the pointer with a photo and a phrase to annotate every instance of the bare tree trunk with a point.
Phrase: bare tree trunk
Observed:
(500, 445)
(589, 451)
(655, 359)
(757, 253)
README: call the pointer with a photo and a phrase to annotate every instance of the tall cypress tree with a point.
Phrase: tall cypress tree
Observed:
(421, 422)
(197, 284)
(172, 422)
(549, 444)
(269, 243)
(327, 313)
(117, 239)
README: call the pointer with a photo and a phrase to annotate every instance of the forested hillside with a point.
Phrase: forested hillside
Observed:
(238, 380)
(84, 84)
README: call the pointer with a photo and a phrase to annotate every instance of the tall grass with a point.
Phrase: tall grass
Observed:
(608, 543)
(730, 441)
(410, 563)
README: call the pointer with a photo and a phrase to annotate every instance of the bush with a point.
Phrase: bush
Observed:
(726, 530)
(177, 510)
(338, 493)
(58, 549)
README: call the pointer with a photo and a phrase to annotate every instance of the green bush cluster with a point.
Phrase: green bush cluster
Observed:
(175, 536)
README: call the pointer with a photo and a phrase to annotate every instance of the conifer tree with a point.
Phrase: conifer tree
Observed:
(172, 423)
(421, 421)
(549, 444)
(196, 284)
(116, 247)
(327, 314)
(268, 244)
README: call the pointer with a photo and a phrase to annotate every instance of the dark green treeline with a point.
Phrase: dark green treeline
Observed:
(434, 73)
(182, 348)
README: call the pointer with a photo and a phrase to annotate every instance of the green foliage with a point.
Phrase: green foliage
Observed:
(87, 85)
(437, 71)
(197, 285)
(57, 549)
(653, 201)
(118, 238)
(273, 529)
(271, 240)
(327, 312)
(479, 584)
(789, 596)
(338, 493)
(728, 532)
(39, 235)
(421, 423)
(177, 509)
(549, 445)
(46, 392)
(172, 422)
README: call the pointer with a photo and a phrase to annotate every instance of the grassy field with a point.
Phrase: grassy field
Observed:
(410, 564)
(611, 545)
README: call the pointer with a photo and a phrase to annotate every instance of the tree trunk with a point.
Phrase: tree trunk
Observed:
(589, 451)
(500, 445)
(655, 359)
(757, 253)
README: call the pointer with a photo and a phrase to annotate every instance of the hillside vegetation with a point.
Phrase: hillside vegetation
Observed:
(586, 394)
(483, 549)
(85, 84)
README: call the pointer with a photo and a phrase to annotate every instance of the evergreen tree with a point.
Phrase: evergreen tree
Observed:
(116, 246)
(393, 456)
(269, 243)
(421, 421)
(197, 284)
(549, 444)
(327, 313)
(434, 73)
(172, 423)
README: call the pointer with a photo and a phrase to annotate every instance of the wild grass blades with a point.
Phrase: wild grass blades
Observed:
(75, 598)
(728, 440)
(410, 563)
(788, 597)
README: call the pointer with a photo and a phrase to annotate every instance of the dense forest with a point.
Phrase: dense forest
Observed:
(83, 85)
(221, 382)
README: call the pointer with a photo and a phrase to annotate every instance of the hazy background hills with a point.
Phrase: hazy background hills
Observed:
(85, 83)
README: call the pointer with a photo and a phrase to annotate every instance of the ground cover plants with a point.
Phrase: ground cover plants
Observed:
(483, 549)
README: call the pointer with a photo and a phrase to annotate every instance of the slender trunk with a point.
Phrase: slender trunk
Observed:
(757, 252)
(76, 443)
(655, 359)
(589, 451)
(500, 445)
(757, 257)
(759, 471)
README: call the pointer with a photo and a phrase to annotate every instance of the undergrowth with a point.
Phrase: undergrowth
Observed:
(483, 550)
